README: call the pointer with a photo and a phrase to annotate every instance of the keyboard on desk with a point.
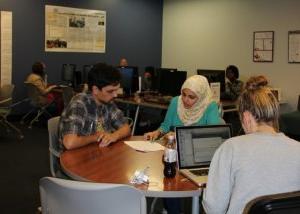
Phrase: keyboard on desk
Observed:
(158, 99)
(199, 172)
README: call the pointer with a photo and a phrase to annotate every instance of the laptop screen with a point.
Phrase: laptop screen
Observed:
(196, 145)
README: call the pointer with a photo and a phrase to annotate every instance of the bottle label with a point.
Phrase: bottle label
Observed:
(170, 155)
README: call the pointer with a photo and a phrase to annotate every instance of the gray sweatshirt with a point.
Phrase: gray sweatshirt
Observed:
(249, 166)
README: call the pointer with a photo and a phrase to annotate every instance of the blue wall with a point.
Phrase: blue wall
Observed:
(134, 31)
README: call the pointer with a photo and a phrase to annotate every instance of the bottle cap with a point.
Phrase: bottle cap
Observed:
(171, 137)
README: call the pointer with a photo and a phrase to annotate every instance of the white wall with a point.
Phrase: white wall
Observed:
(214, 33)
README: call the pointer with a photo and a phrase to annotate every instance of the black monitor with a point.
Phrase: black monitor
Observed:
(214, 76)
(156, 77)
(68, 73)
(129, 79)
(85, 73)
(170, 82)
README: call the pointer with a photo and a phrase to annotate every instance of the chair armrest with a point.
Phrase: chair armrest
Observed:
(54, 152)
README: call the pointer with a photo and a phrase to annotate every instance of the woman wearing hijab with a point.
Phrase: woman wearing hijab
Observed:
(193, 107)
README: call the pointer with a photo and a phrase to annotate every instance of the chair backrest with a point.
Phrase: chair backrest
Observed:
(61, 196)
(33, 94)
(298, 103)
(283, 203)
(6, 91)
(54, 151)
(68, 93)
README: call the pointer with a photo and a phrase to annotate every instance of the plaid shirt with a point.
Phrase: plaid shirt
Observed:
(84, 117)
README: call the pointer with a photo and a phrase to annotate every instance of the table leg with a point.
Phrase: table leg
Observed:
(135, 119)
(195, 205)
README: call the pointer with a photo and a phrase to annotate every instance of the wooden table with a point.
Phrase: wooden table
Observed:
(118, 162)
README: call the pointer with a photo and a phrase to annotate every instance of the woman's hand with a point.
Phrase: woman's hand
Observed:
(152, 135)
(52, 87)
(168, 134)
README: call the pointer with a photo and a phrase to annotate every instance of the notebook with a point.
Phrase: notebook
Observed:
(196, 146)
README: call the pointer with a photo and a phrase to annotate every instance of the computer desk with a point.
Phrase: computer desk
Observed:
(225, 106)
(117, 164)
(139, 102)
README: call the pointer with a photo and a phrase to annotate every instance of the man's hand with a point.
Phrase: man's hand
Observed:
(105, 138)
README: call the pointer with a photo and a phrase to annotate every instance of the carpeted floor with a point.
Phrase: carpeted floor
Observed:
(22, 164)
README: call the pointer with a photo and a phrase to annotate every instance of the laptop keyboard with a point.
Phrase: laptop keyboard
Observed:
(199, 172)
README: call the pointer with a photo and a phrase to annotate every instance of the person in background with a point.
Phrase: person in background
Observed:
(193, 107)
(93, 116)
(123, 62)
(261, 162)
(234, 86)
(38, 78)
(148, 78)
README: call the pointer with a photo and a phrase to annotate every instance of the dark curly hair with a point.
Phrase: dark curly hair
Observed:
(102, 75)
(39, 69)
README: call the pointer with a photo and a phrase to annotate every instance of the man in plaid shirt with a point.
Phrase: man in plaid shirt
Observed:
(93, 116)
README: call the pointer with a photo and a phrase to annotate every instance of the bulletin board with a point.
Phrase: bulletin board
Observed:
(294, 46)
(74, 30)
(263, 45)
(5, 47)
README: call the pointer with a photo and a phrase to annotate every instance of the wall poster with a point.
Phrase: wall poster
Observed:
(74, 30)
(294, 46)
(263, 42)
(5, 47)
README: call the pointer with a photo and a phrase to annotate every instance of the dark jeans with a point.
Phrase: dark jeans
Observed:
(172, 205)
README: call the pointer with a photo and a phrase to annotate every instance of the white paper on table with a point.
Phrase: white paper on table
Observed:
(144, 145)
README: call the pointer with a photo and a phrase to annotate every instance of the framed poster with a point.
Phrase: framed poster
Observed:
(6, 47)
(263, 44)
(74, 30)
(294, 46)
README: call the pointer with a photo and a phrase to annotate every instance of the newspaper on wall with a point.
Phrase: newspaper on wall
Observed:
(6, 47)
(74, 30)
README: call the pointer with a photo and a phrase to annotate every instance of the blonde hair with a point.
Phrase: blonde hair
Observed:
(258, 99)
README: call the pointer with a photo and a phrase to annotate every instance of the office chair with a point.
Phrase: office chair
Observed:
(40, 109)
(54, 151)
(68, 75)
(6, 105)
(283, 203)
(61, 196)
(289, 122)
(67, 95)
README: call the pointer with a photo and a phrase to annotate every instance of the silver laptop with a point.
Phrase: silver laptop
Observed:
(196, 146)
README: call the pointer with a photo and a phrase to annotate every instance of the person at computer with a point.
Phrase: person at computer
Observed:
(38, 77)
(93, 116)
(123, 62)
(262, 162)
(147, 78)
(234, 86)
(193, 107)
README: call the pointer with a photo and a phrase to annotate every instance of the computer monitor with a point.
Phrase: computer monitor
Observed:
(170, 82)
(85, 73)
(68, 73)
(214, 76)
(129, 79)
(156, 77)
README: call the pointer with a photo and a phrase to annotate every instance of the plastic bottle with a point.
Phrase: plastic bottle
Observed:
(170, 158)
